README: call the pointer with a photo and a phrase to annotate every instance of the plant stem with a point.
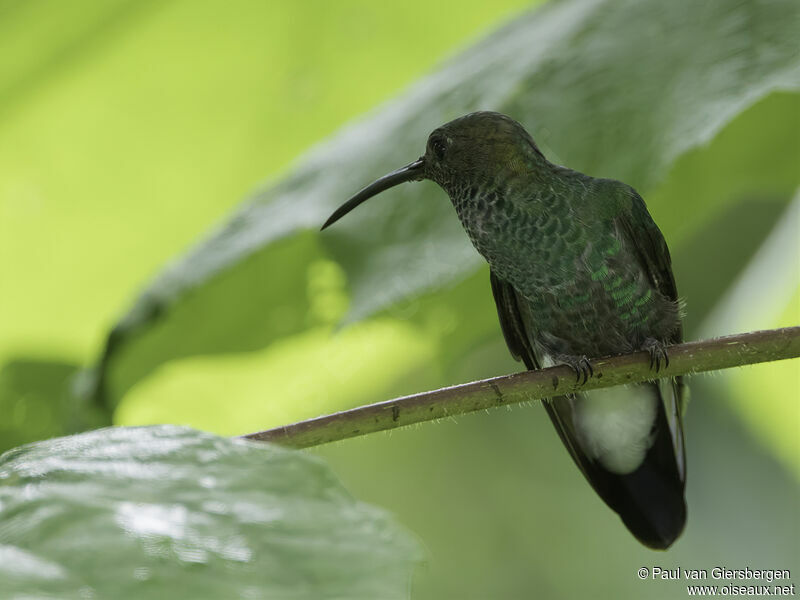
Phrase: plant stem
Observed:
(687, 358)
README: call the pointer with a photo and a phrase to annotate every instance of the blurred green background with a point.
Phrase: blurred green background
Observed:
(130, 129)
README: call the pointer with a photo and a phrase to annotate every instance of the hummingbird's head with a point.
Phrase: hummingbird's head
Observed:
(473, 150)
(479, 148)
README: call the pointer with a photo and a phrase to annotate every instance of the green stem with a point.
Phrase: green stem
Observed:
(684, 359)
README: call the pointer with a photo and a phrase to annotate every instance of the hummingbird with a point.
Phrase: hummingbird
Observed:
(578, 270)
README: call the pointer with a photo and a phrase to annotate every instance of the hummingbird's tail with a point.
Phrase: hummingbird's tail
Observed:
(628, 442)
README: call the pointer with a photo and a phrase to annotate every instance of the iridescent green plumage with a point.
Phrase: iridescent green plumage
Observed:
(578, 269)
(565, 241)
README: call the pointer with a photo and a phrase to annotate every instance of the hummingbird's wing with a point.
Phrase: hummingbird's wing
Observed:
(645, 238)
(511, 323)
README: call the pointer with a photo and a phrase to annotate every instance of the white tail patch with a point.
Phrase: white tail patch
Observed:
(614, 425)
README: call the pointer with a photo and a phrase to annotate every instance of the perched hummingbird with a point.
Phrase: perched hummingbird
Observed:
(578, 269)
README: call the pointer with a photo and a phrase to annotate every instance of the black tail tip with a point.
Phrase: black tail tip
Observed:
(658, 530)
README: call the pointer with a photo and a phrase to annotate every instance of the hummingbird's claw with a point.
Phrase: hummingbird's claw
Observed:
(658, 354)
(582, 367)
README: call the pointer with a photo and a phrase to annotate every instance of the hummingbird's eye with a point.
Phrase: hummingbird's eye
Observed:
(438, 146)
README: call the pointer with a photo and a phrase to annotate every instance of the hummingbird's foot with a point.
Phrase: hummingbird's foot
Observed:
(580, 364)
(658, 354)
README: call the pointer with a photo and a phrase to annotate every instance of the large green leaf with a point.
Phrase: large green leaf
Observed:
(618, 89)
(169, 512)
(128, 127)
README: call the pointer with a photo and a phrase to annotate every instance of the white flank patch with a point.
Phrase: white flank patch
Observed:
(613, 425)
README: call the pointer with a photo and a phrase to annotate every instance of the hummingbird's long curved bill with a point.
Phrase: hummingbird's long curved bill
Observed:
(411, 172)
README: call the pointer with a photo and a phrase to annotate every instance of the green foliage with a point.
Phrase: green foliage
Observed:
(697, 137)
(128, 127)
(168, 512)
